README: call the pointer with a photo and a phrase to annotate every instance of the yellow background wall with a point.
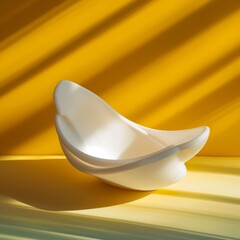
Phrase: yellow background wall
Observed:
(164, 64)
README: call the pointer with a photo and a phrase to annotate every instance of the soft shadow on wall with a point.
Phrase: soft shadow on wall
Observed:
(33, 132)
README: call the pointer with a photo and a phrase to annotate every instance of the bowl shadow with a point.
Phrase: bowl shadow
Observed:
(56, 185)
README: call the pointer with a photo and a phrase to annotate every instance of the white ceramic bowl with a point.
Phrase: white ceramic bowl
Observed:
(99, 141)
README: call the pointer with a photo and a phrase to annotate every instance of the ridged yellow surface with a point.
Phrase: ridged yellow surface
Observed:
(163, 64)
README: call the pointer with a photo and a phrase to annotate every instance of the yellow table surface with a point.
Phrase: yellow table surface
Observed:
(46, 198)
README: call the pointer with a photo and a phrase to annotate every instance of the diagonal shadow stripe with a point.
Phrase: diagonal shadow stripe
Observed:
(220, 97)
(75, 43)
(187, 84)
(37, 22)
(11, 8)
(26, 16)
(164, 42)
(233, 128)
(24, 130)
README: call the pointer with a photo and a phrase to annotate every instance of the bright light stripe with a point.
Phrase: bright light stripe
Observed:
(209, 183)
(185, 203)
(30, 157)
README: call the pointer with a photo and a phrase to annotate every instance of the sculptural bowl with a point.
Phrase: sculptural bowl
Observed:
(101, 142)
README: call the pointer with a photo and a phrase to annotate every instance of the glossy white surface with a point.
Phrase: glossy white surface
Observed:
(101, 142)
